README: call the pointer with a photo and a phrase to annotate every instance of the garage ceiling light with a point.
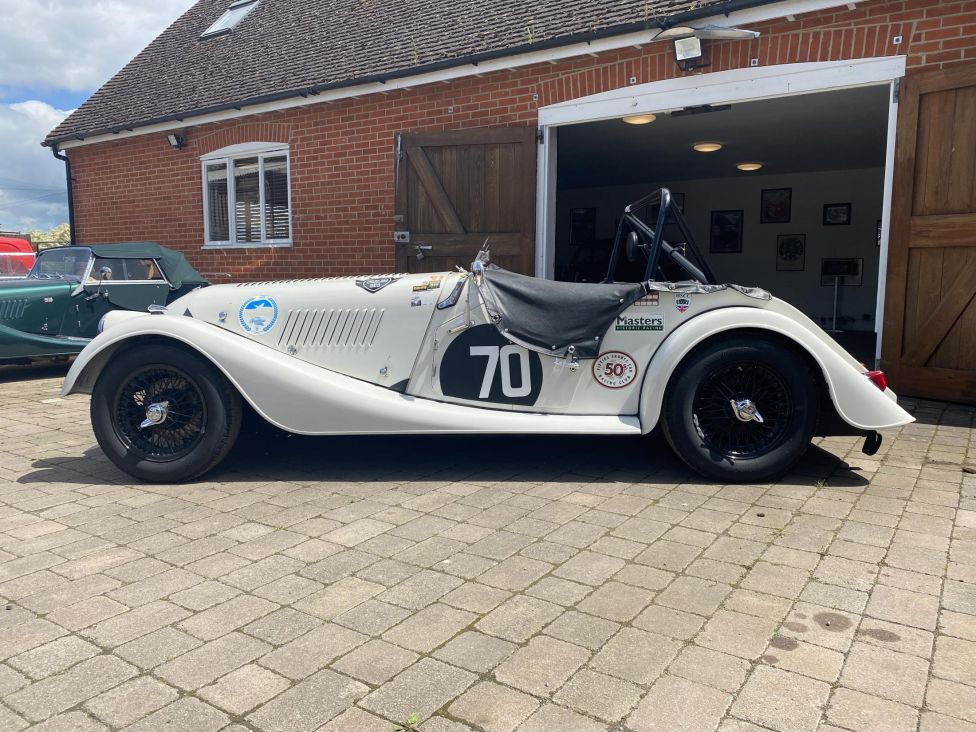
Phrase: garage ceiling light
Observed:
(749, 167)
(640, 119)
(707, 146)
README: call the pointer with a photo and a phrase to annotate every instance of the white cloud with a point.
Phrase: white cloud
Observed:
(32, 184)
(76, 45)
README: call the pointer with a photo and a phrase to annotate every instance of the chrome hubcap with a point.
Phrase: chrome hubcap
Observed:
(745, 410)
(156, 414)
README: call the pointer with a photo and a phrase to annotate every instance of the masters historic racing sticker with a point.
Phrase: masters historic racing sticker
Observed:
(614, 369)
(643, 321)
(258, 315)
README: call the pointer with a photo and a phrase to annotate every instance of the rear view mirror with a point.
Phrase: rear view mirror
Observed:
(632, 246)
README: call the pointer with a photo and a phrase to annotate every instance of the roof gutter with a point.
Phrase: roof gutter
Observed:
(71, 192)
(725, 8)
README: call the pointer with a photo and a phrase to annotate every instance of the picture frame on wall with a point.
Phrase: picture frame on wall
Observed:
(847, 272)
(837, 214)
(726, 232)
(774, 205)
(791, 252)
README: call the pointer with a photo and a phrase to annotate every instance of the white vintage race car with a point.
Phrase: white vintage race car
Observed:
(738, 380)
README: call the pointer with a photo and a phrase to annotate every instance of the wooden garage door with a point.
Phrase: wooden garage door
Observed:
(456, 189)
(930, 318)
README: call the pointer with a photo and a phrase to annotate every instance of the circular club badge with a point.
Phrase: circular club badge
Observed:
(614, 369)
(258, 315)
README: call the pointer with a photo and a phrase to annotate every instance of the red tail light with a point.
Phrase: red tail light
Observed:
(878, 379)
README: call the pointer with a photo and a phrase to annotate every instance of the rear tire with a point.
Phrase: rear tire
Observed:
(741, 409)
(194, 410)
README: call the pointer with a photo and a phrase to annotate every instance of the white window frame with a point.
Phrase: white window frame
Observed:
(228, 156)
(221, 26)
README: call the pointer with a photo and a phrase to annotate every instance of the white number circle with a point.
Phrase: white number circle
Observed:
(614, 369)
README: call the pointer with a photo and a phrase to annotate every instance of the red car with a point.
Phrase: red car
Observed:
(16, 257)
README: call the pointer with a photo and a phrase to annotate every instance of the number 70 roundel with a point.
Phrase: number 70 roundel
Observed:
(481, 365)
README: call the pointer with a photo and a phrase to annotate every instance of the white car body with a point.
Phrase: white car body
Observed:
(334, 356)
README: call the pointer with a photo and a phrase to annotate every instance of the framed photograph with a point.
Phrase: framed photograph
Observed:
(791, 251)
(848, 272)
(774, 206)
(837, 214)
(726, 232)
(582, 226)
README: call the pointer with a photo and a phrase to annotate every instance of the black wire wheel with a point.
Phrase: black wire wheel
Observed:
(164, 414)
(741, 409)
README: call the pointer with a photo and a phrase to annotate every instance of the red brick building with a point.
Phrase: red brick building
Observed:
(270, 139)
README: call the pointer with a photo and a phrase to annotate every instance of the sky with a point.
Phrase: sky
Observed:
(54, 54)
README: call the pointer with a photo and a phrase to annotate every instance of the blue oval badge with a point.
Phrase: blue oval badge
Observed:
(258, 315)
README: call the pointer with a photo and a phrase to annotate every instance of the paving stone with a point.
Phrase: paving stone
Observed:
(904, 607)
(542, 666)
(589, 568)
(515, 573)
(31, 633)
(694, 595)
(309, 704)
(204, 595)
(227, 616)
(87, 612)
(551, 718)
(835, 596)
(820, 625)
(375, 662)
(582, 629)
(11, 721)
(372, 617)
(493, 707)
(183, 714)
(137, 622)
(212, 660)
(308, 653)
(422, 689)
(854, 710)
(476, 598)
(669, 622)
(560, 591)
(11, 680)
(69, 722)
(157, 647)
(781, 700)
(240, 691)
(616, 601)
(53, 657)
(635, 655)
(933, 722)
(58, 693)
(339, 598)
(955, 659)
(718, 670)
(356, 720)
(896, 637)
(741, 635)
(668, 555)
(475, 651)
(425, 630)
(599, 695)
(954, 699)
(519, 618)
(129, 702)
(420, 590)
(674, 703)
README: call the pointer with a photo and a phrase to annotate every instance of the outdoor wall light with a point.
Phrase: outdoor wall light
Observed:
(688, 52)
(707, 147)
(749, 167)
(177, 142)
(640, 119)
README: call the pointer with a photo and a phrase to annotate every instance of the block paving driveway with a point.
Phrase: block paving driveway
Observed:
(493, 584)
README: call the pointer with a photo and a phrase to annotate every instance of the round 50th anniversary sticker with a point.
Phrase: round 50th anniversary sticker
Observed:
(614, 369)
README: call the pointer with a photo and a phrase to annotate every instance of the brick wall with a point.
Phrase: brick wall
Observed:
(342, 153)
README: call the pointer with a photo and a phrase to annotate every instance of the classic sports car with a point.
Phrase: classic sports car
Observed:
(738, 380)
(55, 309)
(16, 258)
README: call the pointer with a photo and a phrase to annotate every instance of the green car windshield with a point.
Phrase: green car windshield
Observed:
(61, 264)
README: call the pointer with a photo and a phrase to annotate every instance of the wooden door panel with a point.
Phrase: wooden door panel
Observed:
(930, 313)
(457, 189)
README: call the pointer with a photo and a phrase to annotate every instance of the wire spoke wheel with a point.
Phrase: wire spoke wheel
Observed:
(159, 413)
(743, 409)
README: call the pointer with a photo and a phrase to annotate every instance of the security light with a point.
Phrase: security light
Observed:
(177, 142)
(688, 51)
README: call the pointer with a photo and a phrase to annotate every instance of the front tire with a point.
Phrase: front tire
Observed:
(741, 409)
(164, 414)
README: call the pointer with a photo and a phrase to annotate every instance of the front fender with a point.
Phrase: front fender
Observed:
(858, 402)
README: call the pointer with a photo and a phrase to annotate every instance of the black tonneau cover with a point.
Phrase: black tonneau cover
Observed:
(549, 317)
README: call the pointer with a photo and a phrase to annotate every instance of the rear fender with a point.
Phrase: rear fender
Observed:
(858, 402)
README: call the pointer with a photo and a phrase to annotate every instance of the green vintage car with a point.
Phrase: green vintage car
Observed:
(55, 310)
